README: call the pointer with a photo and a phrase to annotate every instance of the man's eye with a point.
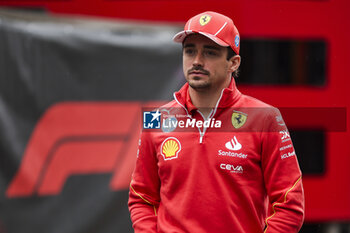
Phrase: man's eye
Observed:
(189, 51)
(211, 53)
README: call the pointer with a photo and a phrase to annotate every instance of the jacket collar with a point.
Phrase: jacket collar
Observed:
(229, 96)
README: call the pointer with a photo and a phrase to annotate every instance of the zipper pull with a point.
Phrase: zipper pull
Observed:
(201, 134)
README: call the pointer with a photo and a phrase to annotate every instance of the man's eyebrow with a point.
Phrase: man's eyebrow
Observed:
(212, 47)
(205, 46)
(188, 45)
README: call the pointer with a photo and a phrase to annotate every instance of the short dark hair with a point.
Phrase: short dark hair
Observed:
(231, 53)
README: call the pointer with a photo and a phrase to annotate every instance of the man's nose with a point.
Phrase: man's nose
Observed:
(198, 60)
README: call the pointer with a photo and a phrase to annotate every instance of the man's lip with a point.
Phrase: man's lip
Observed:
(198, 72)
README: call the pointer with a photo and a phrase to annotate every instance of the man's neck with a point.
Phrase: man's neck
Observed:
(205, 100)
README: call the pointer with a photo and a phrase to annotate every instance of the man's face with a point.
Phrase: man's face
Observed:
(205, 63)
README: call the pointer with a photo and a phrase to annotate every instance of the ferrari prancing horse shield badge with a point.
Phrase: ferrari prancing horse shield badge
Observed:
(238, 119)
(204, 19)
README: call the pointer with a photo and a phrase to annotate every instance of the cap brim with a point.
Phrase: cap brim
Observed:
(180, 37)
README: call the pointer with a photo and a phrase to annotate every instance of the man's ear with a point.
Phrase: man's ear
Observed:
(235, 62)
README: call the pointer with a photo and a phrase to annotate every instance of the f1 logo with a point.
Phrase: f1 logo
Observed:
(79, 138)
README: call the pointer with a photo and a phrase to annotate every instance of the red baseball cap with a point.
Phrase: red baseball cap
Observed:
(215, 26)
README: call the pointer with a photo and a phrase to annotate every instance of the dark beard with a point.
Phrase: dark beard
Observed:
(198, 86)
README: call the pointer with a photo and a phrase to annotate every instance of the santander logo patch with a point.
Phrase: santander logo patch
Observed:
(233, 144)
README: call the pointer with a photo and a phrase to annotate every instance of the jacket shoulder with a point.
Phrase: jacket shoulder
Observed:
(170, 104)
(260, 108)
(250, 101)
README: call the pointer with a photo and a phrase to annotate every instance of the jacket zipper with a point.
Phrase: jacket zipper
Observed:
(211, 115)
(201, 134)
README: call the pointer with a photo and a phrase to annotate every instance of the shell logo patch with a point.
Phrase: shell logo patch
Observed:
(238, 119)
(204, 19)
(170, 148)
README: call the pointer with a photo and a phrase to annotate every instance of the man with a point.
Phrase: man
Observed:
(239, 174)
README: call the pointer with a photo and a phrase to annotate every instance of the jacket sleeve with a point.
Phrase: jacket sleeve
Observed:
(144, 188)
(282, 177)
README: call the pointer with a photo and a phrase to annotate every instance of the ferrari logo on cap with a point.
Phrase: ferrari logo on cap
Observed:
(204, 19)
(238, 119)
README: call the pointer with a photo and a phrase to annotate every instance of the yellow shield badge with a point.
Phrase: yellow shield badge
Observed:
(204, 19)
(238, 119)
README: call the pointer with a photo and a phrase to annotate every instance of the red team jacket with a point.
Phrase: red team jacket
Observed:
(241, 177)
